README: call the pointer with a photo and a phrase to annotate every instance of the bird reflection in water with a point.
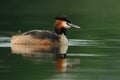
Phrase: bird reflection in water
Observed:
(42, 51)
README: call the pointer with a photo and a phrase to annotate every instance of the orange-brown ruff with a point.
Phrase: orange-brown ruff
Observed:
(37, 37)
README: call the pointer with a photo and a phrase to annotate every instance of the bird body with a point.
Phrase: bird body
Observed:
(37, 37)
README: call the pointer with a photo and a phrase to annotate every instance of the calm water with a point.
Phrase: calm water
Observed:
(93, 52)
(84, 60)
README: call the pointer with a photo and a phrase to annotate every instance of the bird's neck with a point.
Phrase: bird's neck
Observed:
(63, 39)
(61, 32)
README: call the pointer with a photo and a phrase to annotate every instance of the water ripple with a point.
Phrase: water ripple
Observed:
(72, 54)
(5, 42)
(79, 42)
(6, 39)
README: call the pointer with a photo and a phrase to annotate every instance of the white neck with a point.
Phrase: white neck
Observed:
(63, 39)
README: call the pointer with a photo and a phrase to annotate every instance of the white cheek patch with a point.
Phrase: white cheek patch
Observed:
(65, 25)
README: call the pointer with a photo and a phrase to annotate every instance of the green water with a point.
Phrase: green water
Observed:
(93, 52)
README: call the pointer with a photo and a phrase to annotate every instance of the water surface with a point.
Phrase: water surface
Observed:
(84, 59)
(93, 52)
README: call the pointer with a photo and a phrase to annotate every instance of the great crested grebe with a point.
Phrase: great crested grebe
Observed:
(37, 37)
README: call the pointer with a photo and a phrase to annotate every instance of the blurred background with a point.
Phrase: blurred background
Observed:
(98, 18)
(94, 49)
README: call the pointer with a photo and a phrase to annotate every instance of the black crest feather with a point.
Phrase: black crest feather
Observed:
(65, 18)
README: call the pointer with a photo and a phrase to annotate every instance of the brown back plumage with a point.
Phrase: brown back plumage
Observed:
(42, 34)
